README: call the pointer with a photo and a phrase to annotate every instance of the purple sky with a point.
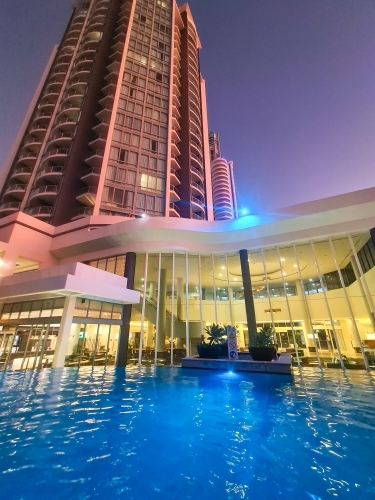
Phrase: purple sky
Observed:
(290, 83)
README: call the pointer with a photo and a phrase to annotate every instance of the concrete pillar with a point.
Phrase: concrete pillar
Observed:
(162, 295)
(152, 290)
(362, 291)
(231, 308)
(129, 273)
(304, 313)
(64, 331)
(352, 334)
(180, 295)
(149, 335)
(248, 295)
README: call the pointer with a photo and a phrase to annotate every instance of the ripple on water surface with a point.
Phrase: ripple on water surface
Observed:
(167, 434)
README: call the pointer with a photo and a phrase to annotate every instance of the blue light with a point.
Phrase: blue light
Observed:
(244, 211)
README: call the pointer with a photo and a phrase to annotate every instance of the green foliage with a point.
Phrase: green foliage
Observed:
(215, 334)
(265, 337)
(76, 351)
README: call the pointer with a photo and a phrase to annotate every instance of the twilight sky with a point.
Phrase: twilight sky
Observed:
(290, 85)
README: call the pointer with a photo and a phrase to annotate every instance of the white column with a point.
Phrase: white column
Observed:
(64, 331)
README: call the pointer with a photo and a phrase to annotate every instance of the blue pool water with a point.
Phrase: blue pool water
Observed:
(167, 434)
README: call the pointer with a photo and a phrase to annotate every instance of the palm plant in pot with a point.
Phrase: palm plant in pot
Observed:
(265, 348)
(211, 348)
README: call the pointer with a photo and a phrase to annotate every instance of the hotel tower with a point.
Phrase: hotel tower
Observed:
(118, 125)
(223, 186)
(109, 251)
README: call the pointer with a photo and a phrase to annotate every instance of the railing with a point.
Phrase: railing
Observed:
(45, 189)
(16, 187)
(197, 217)
(175, 172)
(39, 210)
(197, 186)
(88, 190)
(173, 206)
(62, 136)
(11, 205)
(22, 170)
(198, 202)
(196, 171)
(84, 211)
(96, 152)
(196, 157)
(28, 156)
(99, 136)
(94, 170)
(50, 170)
(54, 152)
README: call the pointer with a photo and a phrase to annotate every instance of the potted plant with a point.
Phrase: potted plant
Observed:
(265, 348)
(211, 348)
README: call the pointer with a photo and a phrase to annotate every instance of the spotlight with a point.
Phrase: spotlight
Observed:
(143, 216)
(244, 211)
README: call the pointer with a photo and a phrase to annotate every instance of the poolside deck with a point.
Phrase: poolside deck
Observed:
(244, 364)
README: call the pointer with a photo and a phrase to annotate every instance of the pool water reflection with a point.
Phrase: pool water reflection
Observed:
(172, 434)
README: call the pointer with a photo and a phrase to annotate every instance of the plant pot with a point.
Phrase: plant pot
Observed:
(209, 352)
(262, 353)
(224, 349)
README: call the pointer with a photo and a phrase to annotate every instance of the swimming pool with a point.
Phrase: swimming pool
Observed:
(169, 434)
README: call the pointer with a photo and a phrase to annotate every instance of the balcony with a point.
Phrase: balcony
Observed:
(80, 84)
(175, 149)
(107, 101)
(81, 73)
(43, 118)
(196, 161)
(175, 123)
(51, 94)
(33, 144)
(175, 135)
(23, 174)
(67, 125)
(197, 204)
(109, 89)
(73, 97)
(51, 174)
(95, 159)
(174, 211)
(98, 142)
(44, 212)
(196, 137)
(175, 163)
(16, 190)
(84, 61)
(175, 111)
(175, 178)
(83, 212)
(91, 176)
(174, 196)
(27, 159)
(87, 196)
(197, 189)
(195, 148)
(104, 114)
(114, 67)
(10, 207)
(56, 155)
(45, 193)
(70, 110)
(197, 217)
(62, 139)
(112, 78)
(101, 128)
(62, 64)
(47, 105)
(58, 75)
(197, 173)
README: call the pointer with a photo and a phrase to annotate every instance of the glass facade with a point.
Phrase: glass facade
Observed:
(317, 295)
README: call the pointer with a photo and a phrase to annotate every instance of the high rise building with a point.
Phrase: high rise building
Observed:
(223, 187)
(118, 125)
(214, 143)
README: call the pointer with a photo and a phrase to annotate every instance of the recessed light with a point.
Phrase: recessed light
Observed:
(282, 259)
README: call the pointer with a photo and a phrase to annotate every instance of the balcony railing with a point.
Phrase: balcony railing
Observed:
(51, 189)
(10, 206)
(42, 211)
(198, 202)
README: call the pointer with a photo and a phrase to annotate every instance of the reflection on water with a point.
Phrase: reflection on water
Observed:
(172, 434)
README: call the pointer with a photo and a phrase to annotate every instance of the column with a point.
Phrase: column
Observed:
(162, 295)
(150, 326)
(126, 311)
(362, 291)
(304, 313)
(180, 294)
(64, 332)
(248, 295)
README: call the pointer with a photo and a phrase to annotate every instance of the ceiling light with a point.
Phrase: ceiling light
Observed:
(143, 216)
(282, 259)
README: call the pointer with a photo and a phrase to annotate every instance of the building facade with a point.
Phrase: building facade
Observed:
(223, 187)
(109, 254)
(66, 302)
(118, 125)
